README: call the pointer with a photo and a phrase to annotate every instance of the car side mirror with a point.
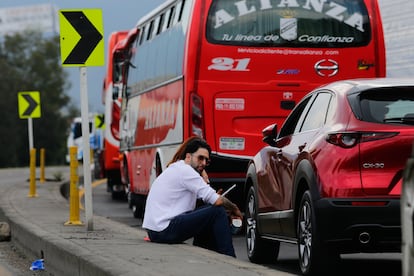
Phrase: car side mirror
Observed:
(269, 134)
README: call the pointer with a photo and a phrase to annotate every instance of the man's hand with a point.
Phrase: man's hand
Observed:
(230, 207)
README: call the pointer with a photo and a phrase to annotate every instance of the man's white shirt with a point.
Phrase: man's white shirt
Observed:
(175, 191)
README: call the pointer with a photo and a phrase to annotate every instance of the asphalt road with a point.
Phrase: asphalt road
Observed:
(384, 264)
(13, 263)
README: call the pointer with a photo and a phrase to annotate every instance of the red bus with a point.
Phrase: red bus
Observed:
(109, 156)
(225, 69)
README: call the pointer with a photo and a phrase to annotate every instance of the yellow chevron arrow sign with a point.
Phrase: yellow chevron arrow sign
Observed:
(29, 104)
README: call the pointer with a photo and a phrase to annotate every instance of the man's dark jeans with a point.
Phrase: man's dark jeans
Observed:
(208, 225)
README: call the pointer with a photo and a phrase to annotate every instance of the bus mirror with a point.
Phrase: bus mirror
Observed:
(115, 92)
(116, 72)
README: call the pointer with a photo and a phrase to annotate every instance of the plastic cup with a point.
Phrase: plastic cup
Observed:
(236, 225)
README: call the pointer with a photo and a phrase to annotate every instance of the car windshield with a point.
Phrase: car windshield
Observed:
(77, 129)
(388, 106)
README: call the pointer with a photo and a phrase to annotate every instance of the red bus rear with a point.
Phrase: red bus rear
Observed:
(109, 157)
(225, 69)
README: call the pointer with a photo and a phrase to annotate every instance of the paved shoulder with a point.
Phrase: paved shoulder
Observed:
(37, 226)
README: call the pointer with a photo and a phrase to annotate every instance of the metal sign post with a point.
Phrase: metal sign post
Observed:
(30, 131)
(81, 44)
(86, 147)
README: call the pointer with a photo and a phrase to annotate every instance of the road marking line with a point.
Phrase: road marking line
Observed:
(82, 190)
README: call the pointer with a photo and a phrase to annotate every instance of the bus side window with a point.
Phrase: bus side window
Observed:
(160, 23)
(185, 14)
(141, 38)
(183, 6)
(171, 16)
(167, 17)
(178, 13)
(155, 27)
(150, 28)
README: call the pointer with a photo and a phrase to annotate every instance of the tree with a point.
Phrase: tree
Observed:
(30, 62)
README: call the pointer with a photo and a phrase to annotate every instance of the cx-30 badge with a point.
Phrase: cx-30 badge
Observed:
(326, 67)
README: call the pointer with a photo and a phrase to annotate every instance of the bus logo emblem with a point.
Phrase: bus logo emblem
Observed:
(289, 28)
(326, 67)
(287, 95)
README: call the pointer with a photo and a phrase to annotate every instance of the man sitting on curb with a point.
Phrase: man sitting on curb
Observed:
(170, 216)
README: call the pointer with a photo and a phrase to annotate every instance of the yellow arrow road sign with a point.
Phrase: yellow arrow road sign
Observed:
(100, 121)
(81, 37)
(29, 104)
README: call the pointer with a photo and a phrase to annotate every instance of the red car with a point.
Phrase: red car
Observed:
(330, 179)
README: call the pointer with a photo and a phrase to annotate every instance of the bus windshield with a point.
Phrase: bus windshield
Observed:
(295, 23)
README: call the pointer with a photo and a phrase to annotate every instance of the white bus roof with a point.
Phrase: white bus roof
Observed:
(155, 11)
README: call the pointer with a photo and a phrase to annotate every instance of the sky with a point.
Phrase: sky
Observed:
(117, 15)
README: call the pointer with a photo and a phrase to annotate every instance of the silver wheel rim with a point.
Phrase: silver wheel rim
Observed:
(251, 225)
(305, 235)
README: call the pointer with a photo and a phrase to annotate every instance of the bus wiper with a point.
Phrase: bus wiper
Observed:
(403, 120)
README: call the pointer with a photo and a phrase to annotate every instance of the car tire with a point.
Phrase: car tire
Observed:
(258, 250)
(314, 258)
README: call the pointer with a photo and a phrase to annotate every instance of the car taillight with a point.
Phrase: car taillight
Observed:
(116, 115)
(197, 115)
(344, 140)
(350, 139)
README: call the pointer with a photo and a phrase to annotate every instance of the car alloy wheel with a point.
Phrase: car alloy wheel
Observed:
(251, 225)
(305, 234)
(258, 250)
(314, 258)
